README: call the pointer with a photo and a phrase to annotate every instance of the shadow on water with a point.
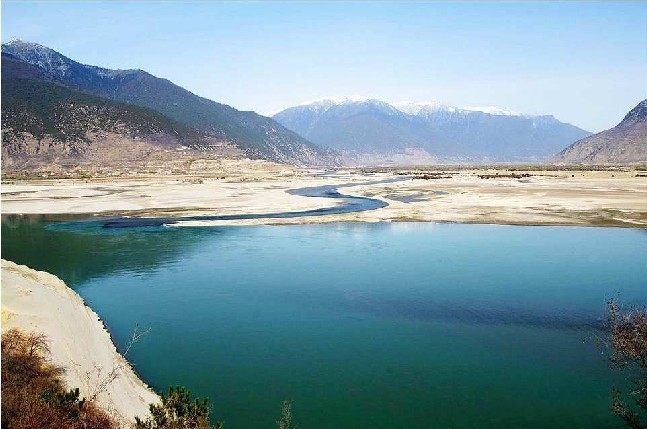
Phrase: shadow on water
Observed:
(454, 309)
(76, 257)
(462, 311)
(104, 246)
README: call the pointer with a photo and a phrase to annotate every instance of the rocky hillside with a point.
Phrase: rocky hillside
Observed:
(359, 126)
(626, 143)
(256, 135)
(44, 122)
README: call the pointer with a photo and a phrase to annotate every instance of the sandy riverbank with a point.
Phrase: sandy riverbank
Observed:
(35, 301)
(600, 198)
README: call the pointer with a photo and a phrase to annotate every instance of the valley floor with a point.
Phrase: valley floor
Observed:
(539, 197)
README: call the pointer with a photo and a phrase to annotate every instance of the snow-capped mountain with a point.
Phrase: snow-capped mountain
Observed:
(422, 108)
(362, 125)
(492, 110)
(408, 107)
(324, 104)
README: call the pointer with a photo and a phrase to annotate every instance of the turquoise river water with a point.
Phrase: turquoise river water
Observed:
(398, 325)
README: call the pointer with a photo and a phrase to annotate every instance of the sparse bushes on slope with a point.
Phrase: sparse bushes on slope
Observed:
(629, 345)
(33, 395)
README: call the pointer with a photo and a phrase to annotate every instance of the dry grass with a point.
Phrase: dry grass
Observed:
(33, 395)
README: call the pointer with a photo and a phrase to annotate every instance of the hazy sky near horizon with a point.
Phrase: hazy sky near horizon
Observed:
(583, 62)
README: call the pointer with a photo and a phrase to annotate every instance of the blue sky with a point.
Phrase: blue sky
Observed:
(584, 62)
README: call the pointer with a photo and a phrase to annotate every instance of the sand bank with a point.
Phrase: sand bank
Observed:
(35, 301)
(600, 198)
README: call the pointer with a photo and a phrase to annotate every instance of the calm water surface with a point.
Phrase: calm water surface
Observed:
(361, 325)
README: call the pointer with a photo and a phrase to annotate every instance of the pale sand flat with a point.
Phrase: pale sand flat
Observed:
(600, 198)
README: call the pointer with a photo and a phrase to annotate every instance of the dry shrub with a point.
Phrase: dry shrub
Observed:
(33, 394)
(629, 344)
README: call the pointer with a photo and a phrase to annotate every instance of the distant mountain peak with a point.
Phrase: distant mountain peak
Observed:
(327, 102)
(53, 61)
(22, 43)
(423, 107)
(322, 105)
(415, 108)
(637, 114)
(492, 110)
(362, 125)
(19, 47)
(626, 143)
(420, 107)
(356, 98)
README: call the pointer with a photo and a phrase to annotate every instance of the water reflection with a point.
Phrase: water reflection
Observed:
(348, 317)
(79, 254)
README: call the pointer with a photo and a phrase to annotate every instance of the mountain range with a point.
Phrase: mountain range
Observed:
(55, 109)
(363, 128)
(45, 71)
(626, 143)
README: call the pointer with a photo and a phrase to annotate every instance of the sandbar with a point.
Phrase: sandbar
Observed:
(536, 197)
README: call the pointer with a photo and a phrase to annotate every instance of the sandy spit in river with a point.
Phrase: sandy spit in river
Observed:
(582, 198)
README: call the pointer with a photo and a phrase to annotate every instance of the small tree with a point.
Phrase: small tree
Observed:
(628, 331)
(285, 421)
(178, 411)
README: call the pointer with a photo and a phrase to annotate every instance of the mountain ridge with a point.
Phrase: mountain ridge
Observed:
(256, 135)
(360, 126)
(408, 107)
(46, 125)
(626, 143)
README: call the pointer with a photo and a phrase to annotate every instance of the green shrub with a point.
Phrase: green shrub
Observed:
(178, 411)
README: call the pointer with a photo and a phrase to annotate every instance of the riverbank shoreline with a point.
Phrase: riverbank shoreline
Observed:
(36, 301)
(615, 198)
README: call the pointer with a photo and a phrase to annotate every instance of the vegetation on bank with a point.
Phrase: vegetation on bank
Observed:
(628, 330)
(178, 410)
(35, 396)
(33, 393)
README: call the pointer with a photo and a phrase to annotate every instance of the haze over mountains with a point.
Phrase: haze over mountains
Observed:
(364, 128)
(254, 135)
(622, 144)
